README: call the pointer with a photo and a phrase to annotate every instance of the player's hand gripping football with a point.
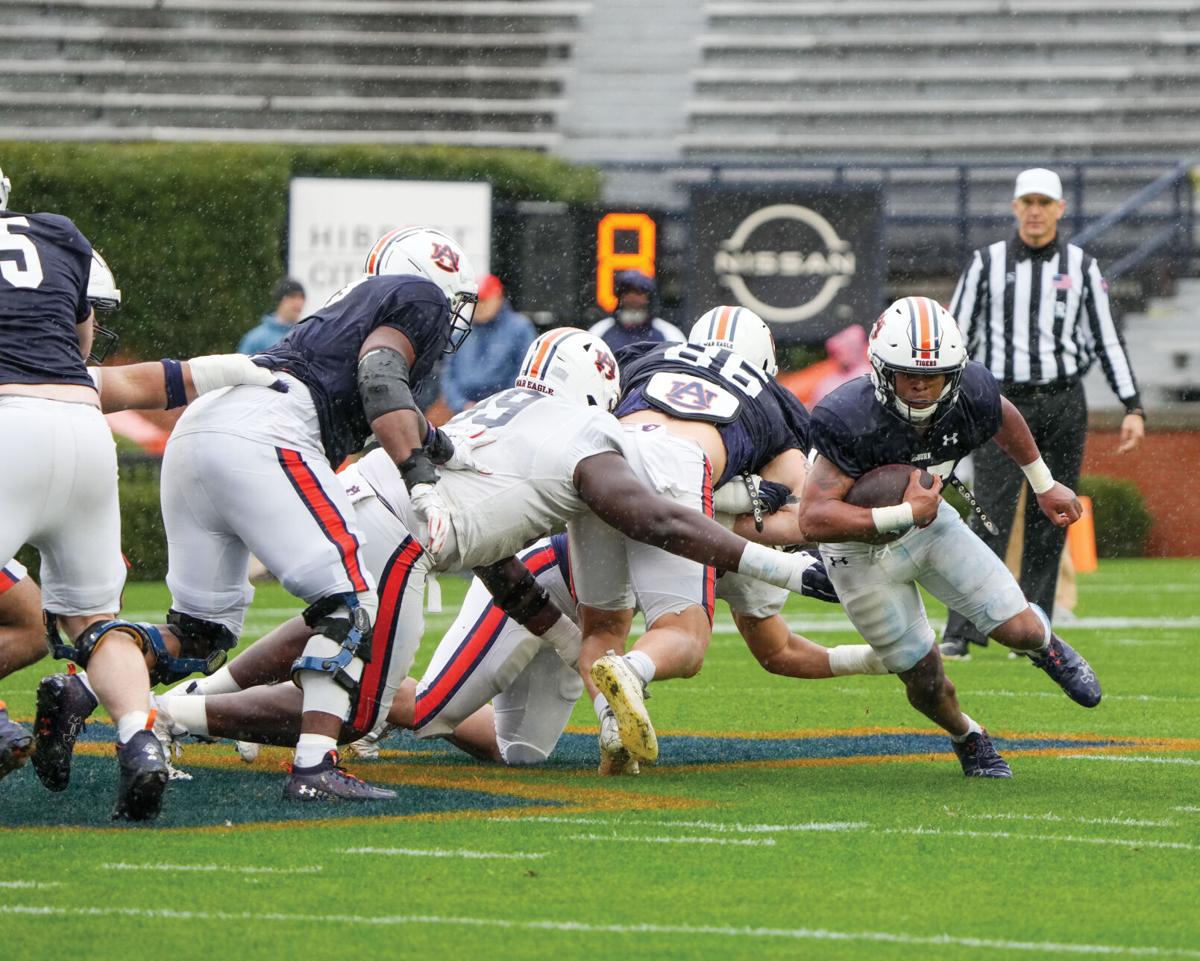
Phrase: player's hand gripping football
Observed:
(924, 500)
(1061, 505)
(428, 503)
(214, 371)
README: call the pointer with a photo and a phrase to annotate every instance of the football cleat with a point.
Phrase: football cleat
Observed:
(329, 781)
(626, 695)
(1068, 669)
(247, 750)
(15, 744)
(366, 748)
(615, 759)
(979, 758)
(955, 649)
(170, 735)
(144, 776)
(64, 703)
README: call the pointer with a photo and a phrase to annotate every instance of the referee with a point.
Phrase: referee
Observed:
(1035, 312)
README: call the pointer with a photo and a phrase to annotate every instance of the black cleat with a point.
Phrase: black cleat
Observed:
(15, 744)
(144, 776)
(63, 705)
(329, 781)
(979, 758)
(955, 649)
(1069, 670)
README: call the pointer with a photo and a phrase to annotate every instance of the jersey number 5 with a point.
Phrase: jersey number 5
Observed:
(19, 261)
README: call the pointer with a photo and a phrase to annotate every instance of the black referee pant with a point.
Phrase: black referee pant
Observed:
(1057, 417)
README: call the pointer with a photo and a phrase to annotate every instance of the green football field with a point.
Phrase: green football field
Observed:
(786, 819)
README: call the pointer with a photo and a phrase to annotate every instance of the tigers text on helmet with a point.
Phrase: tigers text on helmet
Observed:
(740, 330)
(916, 335)
(102, 294)
(571, 363)
(432, 254)
(5, 187)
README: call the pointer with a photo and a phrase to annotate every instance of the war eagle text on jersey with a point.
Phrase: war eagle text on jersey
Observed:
(757, 419)
(322, 350)
(857, 433)
(44, 266)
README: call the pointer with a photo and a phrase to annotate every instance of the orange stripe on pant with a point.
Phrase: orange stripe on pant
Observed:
(392, 585)
(325, 513)
(710, 573)
(483, 635)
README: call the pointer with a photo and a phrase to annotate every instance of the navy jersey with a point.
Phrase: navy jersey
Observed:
(44, 266)
(757, 419)
(857, 433)
(322, 350)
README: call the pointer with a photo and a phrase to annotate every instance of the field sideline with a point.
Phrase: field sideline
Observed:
(787, 819)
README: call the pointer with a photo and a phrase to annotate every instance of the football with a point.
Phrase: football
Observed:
(884, 486)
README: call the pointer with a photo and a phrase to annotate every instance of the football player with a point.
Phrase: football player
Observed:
(554, 452)
(59, 489)
(924, 404)
(709, 411)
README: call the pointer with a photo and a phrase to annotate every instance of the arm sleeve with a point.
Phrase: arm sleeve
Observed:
(1106, 338)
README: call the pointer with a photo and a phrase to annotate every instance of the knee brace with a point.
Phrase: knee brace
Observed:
(204, 646)
(348, 630)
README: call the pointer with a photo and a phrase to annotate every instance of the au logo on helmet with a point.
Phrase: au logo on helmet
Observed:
(446, 257)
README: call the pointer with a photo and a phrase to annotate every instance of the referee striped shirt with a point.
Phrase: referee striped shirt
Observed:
(1041, 316)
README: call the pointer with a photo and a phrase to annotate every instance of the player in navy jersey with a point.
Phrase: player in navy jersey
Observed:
(251, 470)
(59, 488)
(926, 405)
(719, 413)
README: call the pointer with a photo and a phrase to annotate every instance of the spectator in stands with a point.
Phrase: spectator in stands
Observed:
(848, 350)
(288, 298)
(1034, 310)
(633, 321)
(490, 359)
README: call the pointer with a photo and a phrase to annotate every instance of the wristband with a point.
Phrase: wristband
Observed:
(898, 517)
(173, 374)
(766, 564)
(1039, 476)
(565, 636)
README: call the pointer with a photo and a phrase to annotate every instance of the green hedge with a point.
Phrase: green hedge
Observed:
(195, 232)
(1121, 517)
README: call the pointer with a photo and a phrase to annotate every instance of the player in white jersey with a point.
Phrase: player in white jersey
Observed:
(545, 451)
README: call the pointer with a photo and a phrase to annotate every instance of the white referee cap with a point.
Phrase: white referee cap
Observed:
(1038, 180)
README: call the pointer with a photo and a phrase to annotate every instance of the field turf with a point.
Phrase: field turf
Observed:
(786, 819)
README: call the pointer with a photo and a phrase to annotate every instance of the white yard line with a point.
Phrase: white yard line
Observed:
(703, 825)
(1187, 809)
(1067, 838)
(231, 868)
(583, 927)
(825, 623)
(1130, 758)
(446, 853)
(668, 839)
(28, 885)
(1120, 822)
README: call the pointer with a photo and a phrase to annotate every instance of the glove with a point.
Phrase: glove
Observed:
(455, 451)
(773, 496)
(428, 504)
(229, 370)
(810, 579)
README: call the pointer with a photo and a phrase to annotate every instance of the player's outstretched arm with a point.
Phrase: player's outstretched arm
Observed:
(826, 517)
(521, 597)
(1057, 501)
(162, 385)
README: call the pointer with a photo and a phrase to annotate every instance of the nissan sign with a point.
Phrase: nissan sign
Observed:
(809, 263)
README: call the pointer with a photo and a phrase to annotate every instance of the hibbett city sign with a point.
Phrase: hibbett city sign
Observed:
(809, 267)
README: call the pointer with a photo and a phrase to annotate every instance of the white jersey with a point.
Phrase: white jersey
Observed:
(539, 441)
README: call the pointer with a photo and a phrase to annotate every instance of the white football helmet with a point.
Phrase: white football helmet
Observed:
(571, 363)
(5, 187)
(432, 254)
(102, 294)
(916, 335)
(740, 330)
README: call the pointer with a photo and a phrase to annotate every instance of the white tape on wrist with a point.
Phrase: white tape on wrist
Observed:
(766, 564)
(899, 517)
(1039, 476)
(564, 635)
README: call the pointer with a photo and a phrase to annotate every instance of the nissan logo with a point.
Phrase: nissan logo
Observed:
(794, 243)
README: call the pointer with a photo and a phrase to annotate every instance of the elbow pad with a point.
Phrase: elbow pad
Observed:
(383, 383)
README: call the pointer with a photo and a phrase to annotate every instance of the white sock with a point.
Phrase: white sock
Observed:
(219, 682)
(600, 705)
(130, 724)
(855, 659)
(642, 666)
(312, 748)
(972, 728)
(188, 711)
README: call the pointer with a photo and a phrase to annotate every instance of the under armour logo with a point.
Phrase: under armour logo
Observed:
(306, 790)
(950, 438)
(353, 489)
(835, 561)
